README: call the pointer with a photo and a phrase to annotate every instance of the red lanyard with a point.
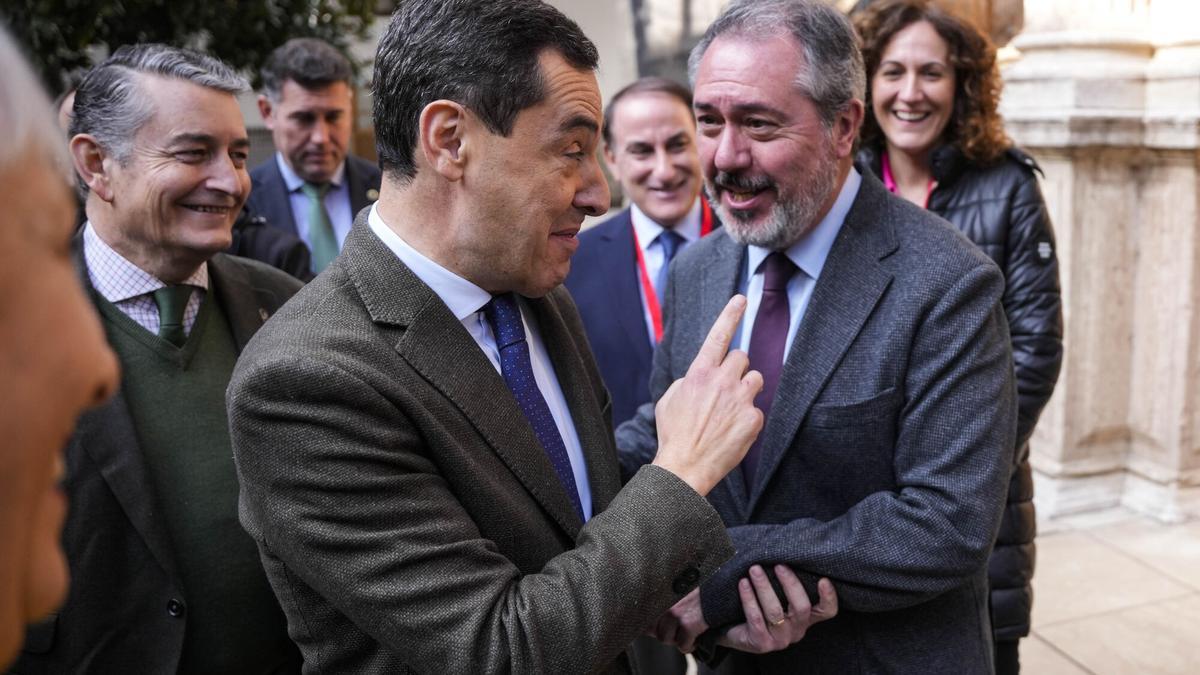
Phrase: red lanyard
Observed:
(706, 226)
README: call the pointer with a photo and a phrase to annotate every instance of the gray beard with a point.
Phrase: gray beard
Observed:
(790, 218)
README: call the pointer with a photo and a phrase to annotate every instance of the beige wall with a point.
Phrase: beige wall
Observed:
(1106, 93)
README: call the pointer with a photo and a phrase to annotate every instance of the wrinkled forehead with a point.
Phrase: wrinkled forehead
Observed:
(740, 73)
(179, 108)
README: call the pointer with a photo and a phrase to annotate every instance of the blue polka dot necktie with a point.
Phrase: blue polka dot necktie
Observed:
(505, 318)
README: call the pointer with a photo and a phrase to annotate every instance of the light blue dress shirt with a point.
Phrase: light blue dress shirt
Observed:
(466, 301)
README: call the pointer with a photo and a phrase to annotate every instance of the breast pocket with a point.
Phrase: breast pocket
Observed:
(851, 447)
(881, 407)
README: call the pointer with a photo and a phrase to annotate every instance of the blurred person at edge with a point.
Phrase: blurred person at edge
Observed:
(934, 136)
(47, 383)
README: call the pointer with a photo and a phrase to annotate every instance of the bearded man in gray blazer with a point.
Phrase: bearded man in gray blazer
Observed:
(888, 382)
(422, 436)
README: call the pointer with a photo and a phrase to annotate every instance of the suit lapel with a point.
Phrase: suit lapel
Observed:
(276, 204)
(851, 284)
(719, 281)
(625, 299)
(107, 435)
(245, 305)
(595, 436)
(436, 345)
(358, 186)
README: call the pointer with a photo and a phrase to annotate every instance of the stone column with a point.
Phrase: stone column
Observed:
(1109, 101)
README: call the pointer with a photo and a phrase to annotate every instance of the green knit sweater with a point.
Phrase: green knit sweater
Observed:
(176, 397)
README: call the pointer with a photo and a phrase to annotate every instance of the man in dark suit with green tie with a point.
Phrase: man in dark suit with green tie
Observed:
(312, 187)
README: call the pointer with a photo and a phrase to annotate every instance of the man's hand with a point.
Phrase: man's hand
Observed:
(707, 420)
(768, 627)
(682, 624)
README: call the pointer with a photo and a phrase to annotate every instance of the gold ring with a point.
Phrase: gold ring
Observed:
(780, 621)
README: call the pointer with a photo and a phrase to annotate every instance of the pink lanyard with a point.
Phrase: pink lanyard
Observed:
(889, 181)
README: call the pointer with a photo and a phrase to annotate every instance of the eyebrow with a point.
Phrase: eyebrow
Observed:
(208, 140)
(741, 108)
(579, 122)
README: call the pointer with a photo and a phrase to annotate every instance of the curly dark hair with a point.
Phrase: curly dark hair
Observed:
(975, 126)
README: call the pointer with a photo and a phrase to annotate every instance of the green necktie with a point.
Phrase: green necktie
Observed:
(322, 240)
(172, 302)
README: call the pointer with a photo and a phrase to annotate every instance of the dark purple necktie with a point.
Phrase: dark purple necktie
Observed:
(505, 318)
(768, 343)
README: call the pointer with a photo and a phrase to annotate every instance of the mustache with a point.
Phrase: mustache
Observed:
(739, 182)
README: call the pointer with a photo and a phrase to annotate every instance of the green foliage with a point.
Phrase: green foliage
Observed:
(62, 36)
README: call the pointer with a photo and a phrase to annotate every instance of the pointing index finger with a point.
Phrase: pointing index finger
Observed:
(716, 345)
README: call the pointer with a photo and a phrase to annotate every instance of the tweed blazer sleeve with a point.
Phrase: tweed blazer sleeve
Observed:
(379, 508)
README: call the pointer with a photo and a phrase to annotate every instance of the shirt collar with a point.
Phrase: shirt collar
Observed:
(647, 230)
(116, 279)
(809, 254)
(461, 296)
(295, 182)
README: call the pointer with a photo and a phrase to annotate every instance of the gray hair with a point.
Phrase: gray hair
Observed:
(834, 75)
(25, 113)
(309, 62)
(110, 105)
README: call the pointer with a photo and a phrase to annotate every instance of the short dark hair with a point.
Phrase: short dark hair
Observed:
(309, 62)
(482, 54)
(645, 85)
(833, 73)
(110, 104)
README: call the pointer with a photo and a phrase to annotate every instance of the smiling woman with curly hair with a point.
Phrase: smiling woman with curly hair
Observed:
(933, 134)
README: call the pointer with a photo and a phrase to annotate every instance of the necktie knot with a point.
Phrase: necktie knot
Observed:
(504, 316)
(670, 241)
(172, 304)
(777, 270)
(315, 190)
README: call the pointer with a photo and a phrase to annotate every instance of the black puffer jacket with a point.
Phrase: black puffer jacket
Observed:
(1000, 208)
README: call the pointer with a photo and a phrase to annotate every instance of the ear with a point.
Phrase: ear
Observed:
(93, 165)
(845, 128)
(264, 110)
(441, 134)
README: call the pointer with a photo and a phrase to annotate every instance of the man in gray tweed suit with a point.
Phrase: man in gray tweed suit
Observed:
(423, 438)
(888, 382)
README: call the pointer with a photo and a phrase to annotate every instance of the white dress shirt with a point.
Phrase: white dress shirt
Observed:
(130, 288)
(647, 232)
(337, 202)
(808, 254)
(466, 300)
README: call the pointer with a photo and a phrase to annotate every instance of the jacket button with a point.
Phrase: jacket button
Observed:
(175, 608)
